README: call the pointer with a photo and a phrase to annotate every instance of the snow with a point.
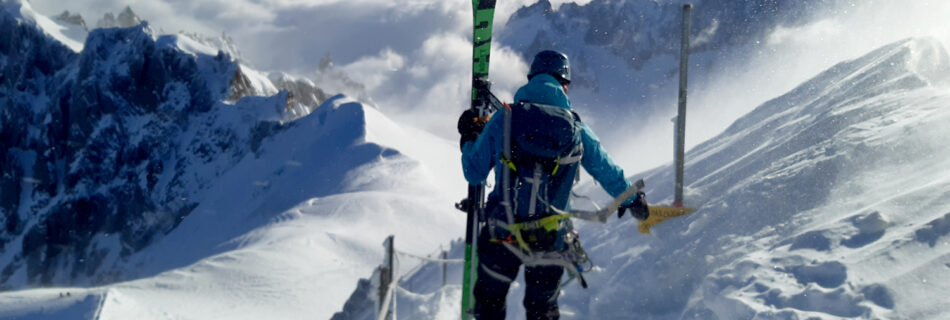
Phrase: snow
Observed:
(52, 304)
(308, 214)
(260, 82)
(830, 201)
(187, 45)
(71, 36)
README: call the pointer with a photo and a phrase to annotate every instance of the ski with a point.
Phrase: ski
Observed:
(483, 16)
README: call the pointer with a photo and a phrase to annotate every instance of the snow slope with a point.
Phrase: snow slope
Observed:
(288, 232)
(828, 202)
(831, 159)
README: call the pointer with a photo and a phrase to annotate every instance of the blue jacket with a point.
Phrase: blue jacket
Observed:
(479, 157)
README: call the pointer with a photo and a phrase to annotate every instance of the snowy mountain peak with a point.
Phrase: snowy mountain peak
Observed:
(126, 18)
(107, 150)
(72, 19)
(22, 13)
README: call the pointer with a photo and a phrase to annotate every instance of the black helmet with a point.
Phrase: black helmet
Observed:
(553, 63)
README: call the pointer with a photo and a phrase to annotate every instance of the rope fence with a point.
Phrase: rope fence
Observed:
(427, 259)
(390, 283)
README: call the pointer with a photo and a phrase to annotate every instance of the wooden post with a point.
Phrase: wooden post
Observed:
(390, 253)
(385, 278)
(680, 148)
(383, 288)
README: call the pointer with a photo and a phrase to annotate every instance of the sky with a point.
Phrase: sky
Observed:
(292, 35)
(413, 56)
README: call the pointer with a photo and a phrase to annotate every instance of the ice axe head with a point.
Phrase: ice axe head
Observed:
(638, 208)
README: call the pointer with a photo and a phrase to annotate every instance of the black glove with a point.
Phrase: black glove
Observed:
(638, 209)
(470, 126)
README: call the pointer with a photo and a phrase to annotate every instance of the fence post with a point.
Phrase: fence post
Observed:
(386, 277)
(383, 287)
(390, 252)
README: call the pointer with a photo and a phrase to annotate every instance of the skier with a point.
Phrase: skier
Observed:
(484, 148)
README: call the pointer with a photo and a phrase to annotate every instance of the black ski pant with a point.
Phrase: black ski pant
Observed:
(497, 268)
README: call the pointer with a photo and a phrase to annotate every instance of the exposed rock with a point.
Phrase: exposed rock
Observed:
(72, 19)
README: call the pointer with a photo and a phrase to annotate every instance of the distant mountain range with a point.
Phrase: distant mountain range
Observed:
(105, 148)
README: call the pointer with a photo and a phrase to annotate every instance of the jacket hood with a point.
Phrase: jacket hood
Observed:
(544, 89)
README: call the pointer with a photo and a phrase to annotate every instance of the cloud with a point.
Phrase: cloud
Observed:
(412, 56)
(811, 33)
(293, 29)
(432, 86)
(375, 71)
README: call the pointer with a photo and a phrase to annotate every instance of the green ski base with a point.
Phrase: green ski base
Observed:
(483, 13)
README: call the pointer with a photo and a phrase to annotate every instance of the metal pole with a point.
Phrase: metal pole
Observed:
(680, 148)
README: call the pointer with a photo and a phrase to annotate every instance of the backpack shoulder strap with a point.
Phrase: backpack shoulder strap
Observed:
(506, 169)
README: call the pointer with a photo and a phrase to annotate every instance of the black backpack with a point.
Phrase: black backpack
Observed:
(543, 152)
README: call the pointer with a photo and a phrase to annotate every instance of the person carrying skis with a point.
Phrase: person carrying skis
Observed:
(545, 135)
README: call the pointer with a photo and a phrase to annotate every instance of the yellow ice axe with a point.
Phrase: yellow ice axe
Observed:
(659, 214)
